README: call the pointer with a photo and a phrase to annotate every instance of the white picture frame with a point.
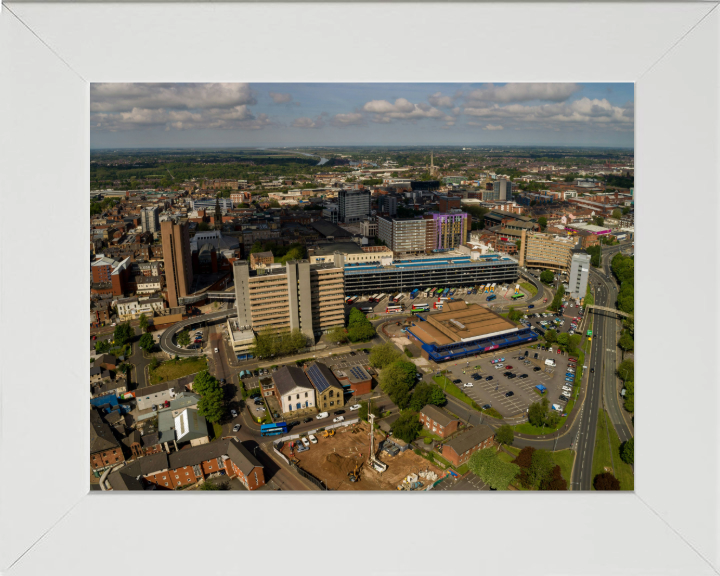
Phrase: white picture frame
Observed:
(49, 523)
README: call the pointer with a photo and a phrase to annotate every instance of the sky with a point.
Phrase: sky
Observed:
(423, 114)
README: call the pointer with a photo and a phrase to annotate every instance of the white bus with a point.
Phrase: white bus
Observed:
(393, 308)
(373, 298)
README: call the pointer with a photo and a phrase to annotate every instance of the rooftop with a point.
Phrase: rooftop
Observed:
(461, 322)
(470, 439)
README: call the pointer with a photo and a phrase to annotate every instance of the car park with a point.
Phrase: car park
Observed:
(236, 427)
(339, 419)
(312, 438)
(322, 415)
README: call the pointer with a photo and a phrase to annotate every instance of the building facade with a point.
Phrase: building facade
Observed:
(438, 421)
(503, 189)
(458, 450)
(149, 219)
(353, 205)
(451, 230)
(579, 273)
(329, 393)
(177, 259)
(293, 390)
(407, 235)
(546, 251)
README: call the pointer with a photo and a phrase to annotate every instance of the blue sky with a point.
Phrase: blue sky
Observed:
(199, 115)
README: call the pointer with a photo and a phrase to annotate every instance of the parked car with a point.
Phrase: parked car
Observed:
(354, 407)
(216, 350)
(523, 376)
(564, 398)
(233, 413)
(457, 381)
(352, 354)
(322, 415)
(338, 412)
(510, 393)
(308, 419)
(508, 367)
(339, 419)
(535, 356)
(312, 438)
(300, 447)
(236, 427)
(305, 442)
(572, 359)
(487, 406)
(260, 409)
(536, 369)
(489, 378)
(294, 423)
(468, 385)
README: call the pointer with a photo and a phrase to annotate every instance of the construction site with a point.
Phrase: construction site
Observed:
(342, 459)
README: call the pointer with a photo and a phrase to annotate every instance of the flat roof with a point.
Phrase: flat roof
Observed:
(344, 247)
(461, 322)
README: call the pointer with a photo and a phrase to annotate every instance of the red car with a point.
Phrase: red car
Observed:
(572, 360)
(508, 367)
(558, 350)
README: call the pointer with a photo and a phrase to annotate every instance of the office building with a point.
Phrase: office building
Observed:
(387, 204)
(297, 295)
(209, 204)
(177, 259)
(579, 272)
(149, 219)
(353, 205)
(546, 251)
(407, 235)
(451, 230)
(503, 189)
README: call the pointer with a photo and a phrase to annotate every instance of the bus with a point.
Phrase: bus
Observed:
(481, 288)
(373, 298)
(273, 429)
(391, 309)
(352, 300)
(399, 296)
(444, 292)
(366, 309)
(438, 305)
(492, 288)
(414, 293)
(518, 296)
(420, 307)
(380, 297)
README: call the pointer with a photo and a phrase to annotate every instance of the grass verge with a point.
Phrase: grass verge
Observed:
(174, 369)
(564, 459)
(529, 287)
(608, 454)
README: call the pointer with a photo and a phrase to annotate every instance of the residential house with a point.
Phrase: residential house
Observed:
(105, 450)
(438, 421)
(458, 450)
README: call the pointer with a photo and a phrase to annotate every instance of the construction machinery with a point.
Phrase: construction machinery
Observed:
(374, 463)
(328, 433)
(354, 476)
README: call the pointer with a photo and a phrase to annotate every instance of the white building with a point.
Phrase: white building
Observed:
(131, 308)
(293, 389)
(579, 272)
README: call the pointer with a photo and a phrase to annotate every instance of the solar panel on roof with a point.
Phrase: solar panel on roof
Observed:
(318, 379)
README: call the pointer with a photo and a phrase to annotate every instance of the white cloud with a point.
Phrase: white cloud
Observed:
(491, 127)
(553, 92)
(384, 112)
(306, 122)
(438, 99)
(280, 98)
(351, 119)
(125, 97)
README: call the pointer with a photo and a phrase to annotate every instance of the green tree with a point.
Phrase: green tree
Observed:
(626, 210)
(617, 214)
(505, 435)
(407, 426)
(362, 332)
(538, 412)
(629, 403)
(514, 315)
(146, 342)
(123, 333)
(627, 451)
(606, 481)
(543, 223)
(550, 336)
(203, 382)
(384, 354)
(183, 339)
(541, 468)
(626, 371)
(599, 221)
(547, 277)
(626, 342)
(490, 469)
(144, 323)
(212, 397)
(397, 380)
(426, 393)
(563, 340)
(367, 408)
(338, 335)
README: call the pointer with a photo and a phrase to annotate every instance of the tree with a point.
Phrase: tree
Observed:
(384, 354)
(183, 339)
(606, 481)
(550, 336)
(599, 221)
(490, 469)
(123, 333)
(541, 466)
(627, 451)
(154, 363)
(617, 214)
(626, 341)
(407, 426)
(514, 315)
(538, 412)
(543, 222)
(563, 339)
(626, 371)
(547, 277)
(555, 481)
(595, 255)
(367, 408)
(338, 335)
(426, 393)
(212, 397)
(203, 382)
(146, 342)
(505, 435)
(362, 332)
(626, 210)
(144, 323)
(396, 380)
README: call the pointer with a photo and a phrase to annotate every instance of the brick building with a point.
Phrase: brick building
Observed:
(355, 379)
(458, 450)
(105, 450)
(116, 273)
(438, 421)
(329, 393)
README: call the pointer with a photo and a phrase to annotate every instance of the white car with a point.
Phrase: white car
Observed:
(233, 413)
(312, 438)
(305, 442)
(354, 407)
(339, 419)
(322, 415)
(468, 385)
(216, 350)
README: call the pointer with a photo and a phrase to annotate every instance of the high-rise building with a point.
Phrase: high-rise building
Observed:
(503, 188)
(177, 259)
(388, 204)
(546, 251)
(353, 205)
(407, 235)
(149, 219)
(298, 295)
(579, 272)
(451, 230)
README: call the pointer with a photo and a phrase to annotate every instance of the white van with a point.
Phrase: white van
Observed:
(549, 362)
(557, 407)
(322, 415)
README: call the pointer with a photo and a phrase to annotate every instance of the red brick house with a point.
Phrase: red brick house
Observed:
(356, 379)
(105, 450)
(438, 421)
(458, 450)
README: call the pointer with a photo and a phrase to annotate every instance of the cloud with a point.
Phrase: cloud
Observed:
(280, 98)
(553, 92)
(351, 119)
(383, 111)
(491, 127)
(239, 117)
(306, 122)
(438, 99)
(125, 97)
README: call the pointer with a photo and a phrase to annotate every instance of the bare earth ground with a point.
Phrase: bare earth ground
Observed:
(331, 459)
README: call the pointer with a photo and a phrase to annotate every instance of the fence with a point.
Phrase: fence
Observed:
(308, 476)
(329, 427)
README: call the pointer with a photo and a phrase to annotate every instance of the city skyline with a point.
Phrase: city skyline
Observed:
(420, 114)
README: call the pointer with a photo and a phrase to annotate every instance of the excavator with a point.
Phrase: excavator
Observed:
(328, 433)
(354, 476)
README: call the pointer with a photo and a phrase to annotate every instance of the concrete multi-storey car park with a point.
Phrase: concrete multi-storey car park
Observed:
(465, 330)
(449, 270)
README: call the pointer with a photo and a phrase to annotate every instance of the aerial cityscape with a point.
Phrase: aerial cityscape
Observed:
(405, 287)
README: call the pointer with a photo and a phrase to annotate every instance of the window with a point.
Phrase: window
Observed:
(332, 393)
(289, 397)
(177, 477)
(165, 483)
(332, 403)
(306, 394)
(297, 397)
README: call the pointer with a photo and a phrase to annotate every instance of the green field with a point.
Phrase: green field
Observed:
(529, 288)
(449, 388)
(174, 369)
(603, 452)
(564, 459)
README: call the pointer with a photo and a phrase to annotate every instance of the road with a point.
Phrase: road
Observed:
(166, 341)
